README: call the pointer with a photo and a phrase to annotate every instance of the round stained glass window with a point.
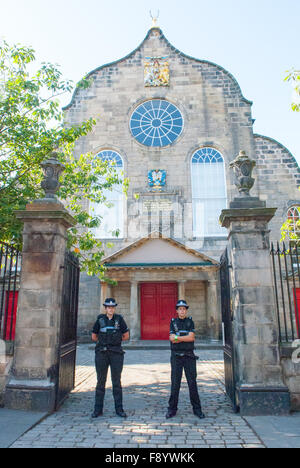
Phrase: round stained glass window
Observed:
(156, 123)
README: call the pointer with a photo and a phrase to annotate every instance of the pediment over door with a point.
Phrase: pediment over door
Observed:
(158, 251)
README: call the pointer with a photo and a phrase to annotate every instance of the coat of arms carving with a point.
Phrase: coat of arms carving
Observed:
(157, 179)
(156, 72)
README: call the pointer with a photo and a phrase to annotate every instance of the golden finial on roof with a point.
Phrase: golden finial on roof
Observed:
(154, 19)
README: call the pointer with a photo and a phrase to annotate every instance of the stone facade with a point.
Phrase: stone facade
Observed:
(217, 115)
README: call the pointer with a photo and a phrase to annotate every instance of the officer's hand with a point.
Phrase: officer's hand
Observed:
(94, 337)
(172, 338)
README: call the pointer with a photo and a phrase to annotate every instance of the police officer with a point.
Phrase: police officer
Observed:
(182, 337)
(109, 331)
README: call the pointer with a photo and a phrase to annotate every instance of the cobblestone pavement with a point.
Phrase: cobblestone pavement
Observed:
(146, 385)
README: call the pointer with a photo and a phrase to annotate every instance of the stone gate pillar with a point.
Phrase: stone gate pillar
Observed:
(258, 372)
(32, 382)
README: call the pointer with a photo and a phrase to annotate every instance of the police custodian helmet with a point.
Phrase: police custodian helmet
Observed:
(182, 303)
(110, 302)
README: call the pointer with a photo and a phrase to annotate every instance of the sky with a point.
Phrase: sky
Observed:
(257, 41)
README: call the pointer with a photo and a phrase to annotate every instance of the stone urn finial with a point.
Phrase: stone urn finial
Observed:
(242, 167)
(52, 169)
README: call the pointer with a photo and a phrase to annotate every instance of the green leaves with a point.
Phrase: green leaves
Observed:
(31, 127)
(290, 230)
(294, 77)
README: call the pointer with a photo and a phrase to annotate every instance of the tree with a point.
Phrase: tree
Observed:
(32, 127)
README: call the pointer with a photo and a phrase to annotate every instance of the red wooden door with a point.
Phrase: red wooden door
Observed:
(158, 302)
(11, 304)
(297, 309)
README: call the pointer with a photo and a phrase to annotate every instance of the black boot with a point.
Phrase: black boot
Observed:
(96, 414)
(199, 413)
(121, 413)
(170, 414)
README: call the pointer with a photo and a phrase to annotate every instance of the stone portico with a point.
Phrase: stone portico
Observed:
(159, 260)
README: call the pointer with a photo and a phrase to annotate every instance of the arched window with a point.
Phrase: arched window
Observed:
(208, 192)
(294, 219)
(112, 215)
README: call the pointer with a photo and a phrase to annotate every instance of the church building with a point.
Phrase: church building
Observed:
(172, 124)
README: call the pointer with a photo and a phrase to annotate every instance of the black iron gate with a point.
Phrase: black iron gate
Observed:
(286, 280)
(68, 329)
(230, 382)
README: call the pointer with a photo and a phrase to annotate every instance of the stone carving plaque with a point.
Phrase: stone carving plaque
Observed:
(164, 204)
(156, 71)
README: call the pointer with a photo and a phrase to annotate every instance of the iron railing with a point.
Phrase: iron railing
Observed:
(10, 267)
(286, 279)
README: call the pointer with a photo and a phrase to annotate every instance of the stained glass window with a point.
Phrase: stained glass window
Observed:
(112, 213)
(294, 219)
(112, 156)
(208, 192)
(156, 123)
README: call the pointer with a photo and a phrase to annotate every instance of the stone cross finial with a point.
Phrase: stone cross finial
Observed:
(52, 169)
(154, 19)
(242, 167)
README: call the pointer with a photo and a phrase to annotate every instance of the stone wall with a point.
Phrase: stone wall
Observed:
(122, 295)
(195, 294)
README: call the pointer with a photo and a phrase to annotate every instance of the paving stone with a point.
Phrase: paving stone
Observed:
(234, 445)
(147, 446)
(146, 389)
(126, 445)
(253, 446)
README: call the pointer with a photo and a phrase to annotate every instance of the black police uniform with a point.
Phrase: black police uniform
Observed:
(109, 352)
(183, 357)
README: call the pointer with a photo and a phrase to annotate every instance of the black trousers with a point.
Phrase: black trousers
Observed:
(187, 363)
(104, 360)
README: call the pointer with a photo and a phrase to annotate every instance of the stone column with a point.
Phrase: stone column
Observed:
(257, 361)
(105, 293)
(34, 370)
(213, 310)
(181, 290)
(134, 325)
(103, 296)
